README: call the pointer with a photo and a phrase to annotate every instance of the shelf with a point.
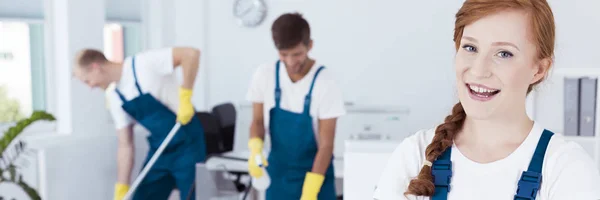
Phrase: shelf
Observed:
(581, 138)
(546, 105)
(575, 72)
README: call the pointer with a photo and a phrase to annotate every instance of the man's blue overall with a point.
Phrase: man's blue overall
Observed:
(176, 166)
(293, 150)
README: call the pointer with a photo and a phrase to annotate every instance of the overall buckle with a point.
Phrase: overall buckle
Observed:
(442, 173)
(528, 186)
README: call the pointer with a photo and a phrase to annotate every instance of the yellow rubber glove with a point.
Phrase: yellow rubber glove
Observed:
(120, 191)
(186, 109)
(256, 147)
(312, 186)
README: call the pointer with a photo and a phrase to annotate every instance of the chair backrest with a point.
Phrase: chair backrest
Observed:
(226, 114)
(212, 133)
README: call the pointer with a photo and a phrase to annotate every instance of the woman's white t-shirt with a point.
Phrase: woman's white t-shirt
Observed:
(568, 172)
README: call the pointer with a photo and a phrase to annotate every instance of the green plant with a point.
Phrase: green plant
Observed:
(9, 107)
(8, 158)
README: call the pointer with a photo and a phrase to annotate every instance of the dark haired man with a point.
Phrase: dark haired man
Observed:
(297, 102)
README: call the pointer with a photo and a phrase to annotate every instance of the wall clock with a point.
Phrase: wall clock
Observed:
(250, 13)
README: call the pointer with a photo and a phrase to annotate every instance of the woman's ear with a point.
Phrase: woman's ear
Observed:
(541, 70)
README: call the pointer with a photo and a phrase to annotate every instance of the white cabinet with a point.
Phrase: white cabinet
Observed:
(363, 163)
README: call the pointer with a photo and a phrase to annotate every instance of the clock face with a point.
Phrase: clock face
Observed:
(250, 13)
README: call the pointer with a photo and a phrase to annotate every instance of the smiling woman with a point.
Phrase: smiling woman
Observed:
(488, 147)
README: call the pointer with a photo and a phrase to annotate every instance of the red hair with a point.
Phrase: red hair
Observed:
(543, 35)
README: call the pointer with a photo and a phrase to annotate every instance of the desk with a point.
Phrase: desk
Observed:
(238, 163)
(359, 167)
(235, 162)
(226, 163)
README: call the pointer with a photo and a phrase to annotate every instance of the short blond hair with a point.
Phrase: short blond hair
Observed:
(86, 57)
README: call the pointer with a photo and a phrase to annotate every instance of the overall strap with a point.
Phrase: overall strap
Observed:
(441, 170)
(120, 95)
(137, 85)
(277, 88)
(309, 95)
(530, 181)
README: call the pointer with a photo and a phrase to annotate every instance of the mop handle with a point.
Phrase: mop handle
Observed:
(162, 146)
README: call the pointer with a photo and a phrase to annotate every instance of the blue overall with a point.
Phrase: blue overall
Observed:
(176, 166)
(528, 185)
(293, 150)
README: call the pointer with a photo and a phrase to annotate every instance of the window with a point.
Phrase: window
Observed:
(121, 40)
(22, 70)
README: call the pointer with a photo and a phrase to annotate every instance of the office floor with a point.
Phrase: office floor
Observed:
(175, 196)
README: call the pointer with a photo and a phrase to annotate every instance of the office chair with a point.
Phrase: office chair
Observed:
(226, 114)
(218, 143)
(212, 134)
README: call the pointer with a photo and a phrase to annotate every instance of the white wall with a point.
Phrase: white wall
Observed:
(360, 47)
(382, 52)
(129, 10)
(167, 23)
(75, 166)
(577, 29)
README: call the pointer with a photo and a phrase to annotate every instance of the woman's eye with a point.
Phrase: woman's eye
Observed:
(469, 48)
(505, 54)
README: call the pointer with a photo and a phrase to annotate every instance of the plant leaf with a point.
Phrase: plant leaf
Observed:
(14, 131)
(7, 157)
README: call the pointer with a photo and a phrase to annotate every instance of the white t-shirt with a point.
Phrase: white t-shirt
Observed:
(155, 75)
(568, 172)
(326, 100)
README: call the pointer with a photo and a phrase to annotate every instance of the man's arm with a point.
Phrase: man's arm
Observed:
(255, 143)
(189, 60)
(326, 139)
(125, 154)
(257, 128)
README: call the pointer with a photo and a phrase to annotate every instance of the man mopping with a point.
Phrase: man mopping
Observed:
(146, 91)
